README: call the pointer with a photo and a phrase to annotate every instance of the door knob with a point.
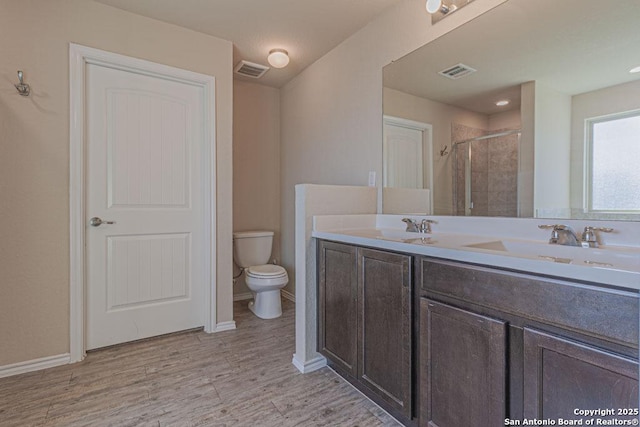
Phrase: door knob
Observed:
(96, 222)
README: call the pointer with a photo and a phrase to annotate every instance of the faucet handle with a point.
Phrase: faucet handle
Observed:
(603, 229)
(557, 237)
(589, 238)
(554, 231)
(425, 225)
(554, 227)
(411, 225)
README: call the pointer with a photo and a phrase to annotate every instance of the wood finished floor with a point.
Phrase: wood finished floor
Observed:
(235, 378)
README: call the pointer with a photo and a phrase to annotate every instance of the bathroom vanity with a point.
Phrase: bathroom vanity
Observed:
(443, 331)
(365, 325)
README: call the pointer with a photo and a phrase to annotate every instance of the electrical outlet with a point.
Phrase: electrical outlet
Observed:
(372, 178)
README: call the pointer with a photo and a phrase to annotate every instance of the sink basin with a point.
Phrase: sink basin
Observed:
(405, 237)
(392, 235)
(529, 249)
(490, 246)
(605, 257)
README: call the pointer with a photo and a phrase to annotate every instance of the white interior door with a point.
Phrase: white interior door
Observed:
(402, 157)
(146, 166)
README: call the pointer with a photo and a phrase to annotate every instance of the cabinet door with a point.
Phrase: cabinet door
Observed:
(384, 299)
(337, 304)
(561, 375)
(462, 367)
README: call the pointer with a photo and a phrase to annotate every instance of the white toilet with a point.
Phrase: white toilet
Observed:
(252, 250)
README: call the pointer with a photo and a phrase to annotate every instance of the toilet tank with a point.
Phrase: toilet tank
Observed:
(252, 247)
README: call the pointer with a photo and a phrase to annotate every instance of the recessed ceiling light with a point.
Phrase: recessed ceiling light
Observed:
(635, 70)
(502, 102)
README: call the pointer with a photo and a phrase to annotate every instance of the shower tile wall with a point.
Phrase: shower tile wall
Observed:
(480, 178)
(503, 176)
(461, 133)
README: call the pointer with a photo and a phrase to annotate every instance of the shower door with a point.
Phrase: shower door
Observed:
(485, 175)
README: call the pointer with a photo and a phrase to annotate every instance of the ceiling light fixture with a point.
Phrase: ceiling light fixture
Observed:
(434, 6)
(278, 58)
(635, 69)
(502, 102)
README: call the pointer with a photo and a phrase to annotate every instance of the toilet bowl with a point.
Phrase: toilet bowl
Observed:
(265, 281)
(252, 250)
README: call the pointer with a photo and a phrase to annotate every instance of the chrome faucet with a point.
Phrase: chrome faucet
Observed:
(589, 237)
(411, 225)
(562, 235)
(425, 225)
(414, 227)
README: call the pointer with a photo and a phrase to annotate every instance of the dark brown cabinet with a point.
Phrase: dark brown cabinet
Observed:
(337, 305)
(462, 367)
(498, 344)
(447, 344)
(384, 327)
(365, 321)
(562, 375)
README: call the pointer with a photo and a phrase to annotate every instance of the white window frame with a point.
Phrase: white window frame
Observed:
(588, 160)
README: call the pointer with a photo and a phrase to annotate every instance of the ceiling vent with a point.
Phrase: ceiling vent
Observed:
(457, 71)
(250, 69)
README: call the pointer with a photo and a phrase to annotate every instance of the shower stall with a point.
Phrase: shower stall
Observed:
(485, 174)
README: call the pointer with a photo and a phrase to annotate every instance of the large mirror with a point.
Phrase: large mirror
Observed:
(567, 143)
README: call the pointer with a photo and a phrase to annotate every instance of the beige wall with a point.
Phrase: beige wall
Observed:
(440, 116)
(332, 111)
(34, 155)
(256, 163)
(507, 120)
(313, 200)
(552, 147)
(527, 149)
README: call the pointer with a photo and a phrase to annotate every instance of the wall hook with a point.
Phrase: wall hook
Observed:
(23, 88)
(443, 151)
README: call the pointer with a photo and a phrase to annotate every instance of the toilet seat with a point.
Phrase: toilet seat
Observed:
(267, 271)
(265, 281)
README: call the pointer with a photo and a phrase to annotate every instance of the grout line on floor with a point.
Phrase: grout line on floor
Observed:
(366, 397)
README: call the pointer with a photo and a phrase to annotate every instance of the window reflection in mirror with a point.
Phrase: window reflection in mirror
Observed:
(613, 156)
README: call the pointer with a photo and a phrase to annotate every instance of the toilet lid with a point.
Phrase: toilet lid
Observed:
(267, 270)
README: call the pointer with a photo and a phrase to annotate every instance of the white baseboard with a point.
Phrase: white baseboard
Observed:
(288, 295)
(34, 365)
(242, 297)
(224, 326)
(310, 365)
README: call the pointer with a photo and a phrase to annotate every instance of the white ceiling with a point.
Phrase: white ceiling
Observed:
(307, 29)
(572, 46)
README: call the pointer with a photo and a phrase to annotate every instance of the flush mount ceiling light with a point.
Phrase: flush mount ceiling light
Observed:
(278, 58)
(502, 102)
(635, 70)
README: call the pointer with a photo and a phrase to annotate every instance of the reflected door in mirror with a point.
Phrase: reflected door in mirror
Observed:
(407, 159)
(403, 159)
